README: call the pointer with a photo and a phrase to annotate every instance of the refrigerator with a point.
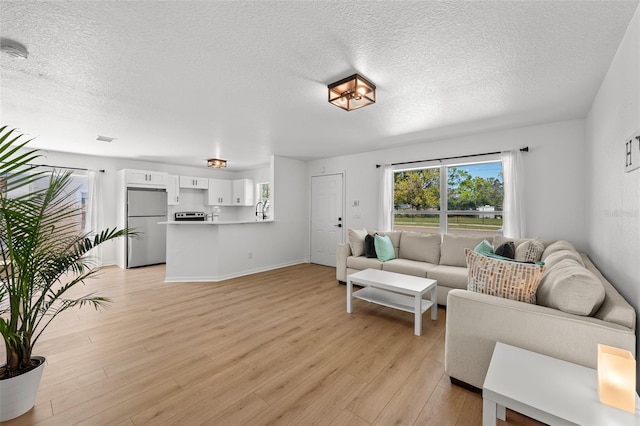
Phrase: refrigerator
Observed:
(145, 208)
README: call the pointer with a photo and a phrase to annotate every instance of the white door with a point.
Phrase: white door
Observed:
(327, 218)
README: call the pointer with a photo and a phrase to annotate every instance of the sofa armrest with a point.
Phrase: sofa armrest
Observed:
(475, 322)
(342, 252)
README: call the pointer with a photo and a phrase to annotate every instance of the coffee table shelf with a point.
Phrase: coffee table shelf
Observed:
(390, 299)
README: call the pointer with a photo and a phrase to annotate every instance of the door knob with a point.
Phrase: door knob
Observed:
(338, 225)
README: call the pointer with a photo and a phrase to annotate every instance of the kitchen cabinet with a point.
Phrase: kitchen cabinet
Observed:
(243, 192)
(194, 182)
(219, 193)
(145, 178)
(173, 190)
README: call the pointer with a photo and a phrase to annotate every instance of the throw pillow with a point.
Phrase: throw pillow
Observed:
(484, 248)
(572, 288)
(502, 278)
(530, 251)
(356, 241)
(384, 248)
(369, 246)
(507, 249)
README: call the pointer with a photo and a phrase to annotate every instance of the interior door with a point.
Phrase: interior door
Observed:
(327, 218)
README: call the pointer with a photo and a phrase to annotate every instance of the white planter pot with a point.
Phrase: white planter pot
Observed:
(18, 394)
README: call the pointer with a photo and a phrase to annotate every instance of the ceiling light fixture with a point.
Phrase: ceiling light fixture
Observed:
(352, 92)
(14, 49)
(216, 162)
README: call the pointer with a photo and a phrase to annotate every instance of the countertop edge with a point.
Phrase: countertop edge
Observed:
(233, 222)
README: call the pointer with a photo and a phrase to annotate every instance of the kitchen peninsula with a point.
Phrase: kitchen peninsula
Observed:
(212, 251)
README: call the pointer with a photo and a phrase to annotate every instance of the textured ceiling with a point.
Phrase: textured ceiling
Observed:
(180, 81)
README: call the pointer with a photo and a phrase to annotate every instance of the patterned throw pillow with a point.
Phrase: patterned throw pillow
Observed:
(530, 251)
(502, 278)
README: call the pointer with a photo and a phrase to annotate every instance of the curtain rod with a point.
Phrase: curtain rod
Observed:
(63, 167)
(525, 149)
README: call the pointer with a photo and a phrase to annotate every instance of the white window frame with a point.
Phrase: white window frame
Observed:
(443, 165)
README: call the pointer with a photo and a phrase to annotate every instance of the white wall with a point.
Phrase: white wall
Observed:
(613, 201)
(555, 189)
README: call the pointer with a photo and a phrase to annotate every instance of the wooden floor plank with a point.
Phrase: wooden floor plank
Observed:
(272, 348)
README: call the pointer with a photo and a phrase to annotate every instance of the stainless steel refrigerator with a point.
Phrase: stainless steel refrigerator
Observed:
(145, 208)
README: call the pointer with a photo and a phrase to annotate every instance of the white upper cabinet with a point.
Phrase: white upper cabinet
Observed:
(145, 178)
(219, 193)
(173, 190)
(194, 182)
(243, 192)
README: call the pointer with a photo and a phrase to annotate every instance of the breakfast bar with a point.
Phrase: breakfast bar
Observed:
(213, 251)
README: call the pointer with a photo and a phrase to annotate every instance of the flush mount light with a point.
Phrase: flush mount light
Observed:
(216, 162)
(352, 92)
(14, 49)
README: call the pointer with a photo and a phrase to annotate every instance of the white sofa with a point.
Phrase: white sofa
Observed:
(565, 328)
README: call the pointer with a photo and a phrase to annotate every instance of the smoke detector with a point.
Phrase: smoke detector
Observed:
(13, 49)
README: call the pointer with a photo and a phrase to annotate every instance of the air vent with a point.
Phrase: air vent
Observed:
(105, 138)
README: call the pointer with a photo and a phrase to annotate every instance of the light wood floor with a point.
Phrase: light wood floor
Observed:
(272, 348)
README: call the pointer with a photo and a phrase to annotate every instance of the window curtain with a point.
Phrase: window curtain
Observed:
(385, 214)
(93, 218)
(513, 204)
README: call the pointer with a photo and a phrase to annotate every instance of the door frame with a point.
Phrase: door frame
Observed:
(344, 205)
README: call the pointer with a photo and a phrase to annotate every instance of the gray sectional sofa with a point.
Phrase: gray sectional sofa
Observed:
(432, 256)
(576, 307)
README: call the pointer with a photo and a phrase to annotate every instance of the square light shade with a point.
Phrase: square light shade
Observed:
(352, 92)
(216, 162)
(617, 378)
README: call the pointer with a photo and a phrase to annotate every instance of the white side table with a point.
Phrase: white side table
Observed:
(547, 389)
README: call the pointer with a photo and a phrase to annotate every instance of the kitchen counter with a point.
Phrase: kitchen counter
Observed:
(209, 222)
(198, 251)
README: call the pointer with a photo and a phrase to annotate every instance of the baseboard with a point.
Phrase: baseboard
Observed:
(230, 276)
(464, 385)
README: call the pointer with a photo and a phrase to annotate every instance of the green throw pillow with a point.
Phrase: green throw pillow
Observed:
(384, 248)
(485, 248)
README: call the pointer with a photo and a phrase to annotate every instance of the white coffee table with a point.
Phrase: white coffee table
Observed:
(547, 389)
(398, 291)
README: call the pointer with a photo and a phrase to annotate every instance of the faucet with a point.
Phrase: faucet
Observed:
(260, 210)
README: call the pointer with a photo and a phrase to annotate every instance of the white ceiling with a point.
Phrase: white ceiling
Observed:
(181, 81)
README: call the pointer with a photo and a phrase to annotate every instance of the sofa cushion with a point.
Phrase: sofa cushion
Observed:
(356, 241)
(529, 251)
(453, 246)
(555, 257)
(360, 263)
(557, 246)
(384, 248)
(503, 278)
(449, 276)
(408, 267)
(572, 288)
(420, 247)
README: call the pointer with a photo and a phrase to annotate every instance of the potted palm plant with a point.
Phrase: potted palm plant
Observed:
(42, 256)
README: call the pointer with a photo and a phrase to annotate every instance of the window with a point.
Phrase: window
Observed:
(468, 201)
(77, 190)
